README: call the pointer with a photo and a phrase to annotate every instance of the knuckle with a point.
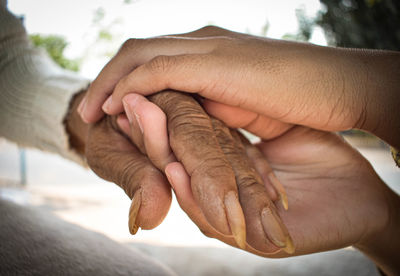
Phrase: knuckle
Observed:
(120, 86)
(182, 112)
(130, 44)
(184, 109)
(215, 168)
(210, 28)
(96, 158)
(192, 126)
(133, 174)
(160, 64)
(247, 181)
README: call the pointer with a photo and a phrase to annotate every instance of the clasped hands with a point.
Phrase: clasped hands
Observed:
(229, 187)
(221, 181)
(281, 91)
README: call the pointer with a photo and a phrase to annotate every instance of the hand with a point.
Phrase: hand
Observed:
(265, 82)
(220, 169)
(336, 199)
(113, 157)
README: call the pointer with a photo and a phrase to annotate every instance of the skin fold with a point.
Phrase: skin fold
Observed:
(212, 157)
(276, 90)
(113, 157)
(268, 84)
(336, 199)
(219, 178)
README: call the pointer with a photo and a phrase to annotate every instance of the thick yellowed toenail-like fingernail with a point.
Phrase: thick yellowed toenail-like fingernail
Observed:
(134, 210)
(273, 227)
(235, 218)
(289, 245)
(280, 189)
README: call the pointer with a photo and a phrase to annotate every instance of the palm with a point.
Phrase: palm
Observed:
(331, 189)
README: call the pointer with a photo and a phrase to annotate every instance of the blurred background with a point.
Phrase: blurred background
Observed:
(83, 35)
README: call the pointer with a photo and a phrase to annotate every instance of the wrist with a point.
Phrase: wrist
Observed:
(76, 128)
(383, 245)
(376, 82)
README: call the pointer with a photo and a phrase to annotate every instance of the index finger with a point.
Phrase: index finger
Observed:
(133, 52)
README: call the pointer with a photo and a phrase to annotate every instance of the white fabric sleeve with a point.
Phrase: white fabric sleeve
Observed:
(34, 92)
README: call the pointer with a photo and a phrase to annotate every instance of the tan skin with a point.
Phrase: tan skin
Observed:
(336, 199)
(113, 157)
(324, 196)
(270, 79)
(216, 178)
(269, 82)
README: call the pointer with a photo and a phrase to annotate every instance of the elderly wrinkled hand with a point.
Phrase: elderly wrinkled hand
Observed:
(336, 199)
(232, 201)
(220, 163)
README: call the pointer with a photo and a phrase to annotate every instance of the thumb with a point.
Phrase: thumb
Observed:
(114, 158)
(255, 123)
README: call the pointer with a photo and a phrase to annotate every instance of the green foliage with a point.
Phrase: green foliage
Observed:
(55, 46)
(373, 24)
(105, 35)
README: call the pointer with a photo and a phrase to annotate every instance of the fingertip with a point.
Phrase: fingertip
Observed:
(178, 177)
(106, 105)
(89, 108)
(130, 104)
(154, 123)
(81, 105)
(155, 134)
(90, 117)
(123, 124)
(132, 99)
(112, 106)
(156, 198)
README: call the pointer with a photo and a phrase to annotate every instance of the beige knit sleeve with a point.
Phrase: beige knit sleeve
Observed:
(34, 92)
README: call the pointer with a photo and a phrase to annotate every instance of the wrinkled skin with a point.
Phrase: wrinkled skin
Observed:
(304, 85)
(326, 179)
(215, 158)
(327, 182)
(269, 85)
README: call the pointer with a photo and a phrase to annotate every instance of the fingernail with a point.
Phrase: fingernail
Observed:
(235, 218)
(107, 104)
(81, 105)
(289, 246)
(133, 211)
(273, 227)
(139, 121)
(83, 112)
(280, 189)
(128, 111)
(168, 177)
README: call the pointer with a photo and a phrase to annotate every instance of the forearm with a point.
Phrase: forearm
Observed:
(336, 88)
(34, 92)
